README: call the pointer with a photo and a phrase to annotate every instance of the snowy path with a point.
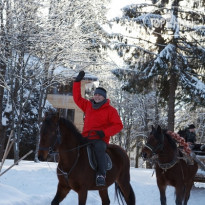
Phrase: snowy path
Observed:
(32, 183)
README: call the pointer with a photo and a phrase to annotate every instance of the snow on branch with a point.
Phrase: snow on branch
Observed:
(200, 30)
(166, 55)
(195, 86)
(167, 52)
(147, 20)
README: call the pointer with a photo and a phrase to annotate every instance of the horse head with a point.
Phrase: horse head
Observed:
(49, 136)
(154, 144)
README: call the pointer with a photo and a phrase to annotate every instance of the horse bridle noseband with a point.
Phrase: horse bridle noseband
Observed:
(50, 149)
(52, 152)
(163, 166)
(155, 149)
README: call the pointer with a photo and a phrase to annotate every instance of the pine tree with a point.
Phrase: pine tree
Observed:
(168, 49)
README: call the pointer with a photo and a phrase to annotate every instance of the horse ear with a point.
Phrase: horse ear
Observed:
(159, 130)
(153, 128)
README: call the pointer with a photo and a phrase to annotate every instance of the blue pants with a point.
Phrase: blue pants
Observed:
(99, 150)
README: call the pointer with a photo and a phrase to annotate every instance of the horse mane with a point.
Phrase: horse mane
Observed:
(70, 126)
(171, 141)
(45, 126)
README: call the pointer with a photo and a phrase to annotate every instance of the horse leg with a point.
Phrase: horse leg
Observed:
(104, 197)
(61, 193)
(187, 193)
(179, 194)
(162, 190)
(82, 196)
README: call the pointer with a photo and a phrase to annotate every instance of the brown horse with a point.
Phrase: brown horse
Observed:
(74, 171)
(170, 168)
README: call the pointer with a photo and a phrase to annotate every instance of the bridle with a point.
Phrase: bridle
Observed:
(159, 147)
(155, 149)
(51, 151)
(51, 148)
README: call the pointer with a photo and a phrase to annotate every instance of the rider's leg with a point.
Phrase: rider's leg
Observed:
(99, 149)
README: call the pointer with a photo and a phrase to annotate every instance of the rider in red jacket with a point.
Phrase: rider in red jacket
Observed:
(101, 122)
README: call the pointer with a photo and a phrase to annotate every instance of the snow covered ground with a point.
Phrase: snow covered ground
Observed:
(32, 183)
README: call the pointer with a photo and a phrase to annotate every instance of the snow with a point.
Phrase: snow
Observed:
(70, 73)
(116, 6)
(35, 183)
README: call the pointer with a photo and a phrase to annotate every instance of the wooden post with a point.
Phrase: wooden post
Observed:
(8, 147)
(16, 162)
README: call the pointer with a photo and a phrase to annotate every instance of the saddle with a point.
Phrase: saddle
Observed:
(93, 162)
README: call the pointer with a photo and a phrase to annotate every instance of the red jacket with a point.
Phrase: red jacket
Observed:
(105, 118)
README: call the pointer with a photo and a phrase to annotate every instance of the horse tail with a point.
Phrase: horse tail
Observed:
(120, 196)
(132, 196)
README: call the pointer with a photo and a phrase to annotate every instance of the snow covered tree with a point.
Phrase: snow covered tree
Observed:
(72, 34)
(36, 38)
(164, 44)
(19, 74)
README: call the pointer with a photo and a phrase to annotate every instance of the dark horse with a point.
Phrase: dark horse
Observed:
(74, 171)
(171, 169)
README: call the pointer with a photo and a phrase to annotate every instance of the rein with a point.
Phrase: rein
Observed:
(169, 165)
(181, 141)
(66, 174)
(78, 147)
(58, 141)
(52, 152)
(155, 149)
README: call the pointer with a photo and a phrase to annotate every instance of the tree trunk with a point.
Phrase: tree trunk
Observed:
(41, 104)
(2, 75)
(2, 141)
(146, 130)
(171, 102)
(173, 81)
(156, 106)
(137, 154)
(42, 100)
(2, 131)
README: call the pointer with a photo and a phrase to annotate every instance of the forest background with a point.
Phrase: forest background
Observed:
(150, 59)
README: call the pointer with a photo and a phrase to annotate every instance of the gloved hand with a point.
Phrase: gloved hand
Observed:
(80, 76)
(100, 133)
